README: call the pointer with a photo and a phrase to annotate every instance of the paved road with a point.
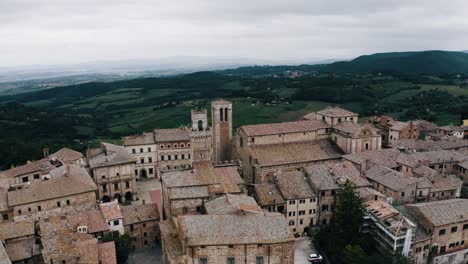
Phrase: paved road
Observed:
(302, 248)
(149, 255)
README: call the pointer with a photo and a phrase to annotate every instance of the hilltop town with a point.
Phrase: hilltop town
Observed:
(207, 194)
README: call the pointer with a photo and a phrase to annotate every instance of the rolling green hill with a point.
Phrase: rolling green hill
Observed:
(83, 114)
(409, 63)
(424, 62)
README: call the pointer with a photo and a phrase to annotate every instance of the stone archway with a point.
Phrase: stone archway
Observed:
(128, 196)
(143, 173)
(118, 197)
(106, 199)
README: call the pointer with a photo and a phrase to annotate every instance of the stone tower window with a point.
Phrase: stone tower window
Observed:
(200, 125)
(221, 114)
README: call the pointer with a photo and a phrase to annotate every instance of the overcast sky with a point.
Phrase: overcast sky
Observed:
(73, 31)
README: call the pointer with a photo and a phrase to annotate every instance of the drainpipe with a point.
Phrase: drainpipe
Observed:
(269, 252)
(245, 254)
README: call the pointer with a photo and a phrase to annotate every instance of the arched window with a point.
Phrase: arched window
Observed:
(225, 114)
(366, 146)
(200, 125)
(221, 116)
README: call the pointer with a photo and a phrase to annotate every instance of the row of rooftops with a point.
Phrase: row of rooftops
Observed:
(310, 123)
(305, 183)
(61, 236)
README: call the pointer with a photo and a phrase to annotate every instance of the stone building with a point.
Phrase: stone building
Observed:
(445, 223)
(174, 149)
(72, 188)
(244, 238)
(443, 161)
(113, 216)
(269, 197)
(301, 200)
(5, 212)
(265, 148)
(460, 169)
(393, 130)
(33, 171)
(393, 184)
(401, 188)
(355, 138)
(269, 159)
(201, 137)
(335, 115)
(144, 151)
(18, 239)
(451, 130)
(232, 204)
(113, 171)
(63, 242)
(4, 259)
(325, 179)
(402, 130)
(69, 156)
(221, 120)
(186, 191)
(141, 222)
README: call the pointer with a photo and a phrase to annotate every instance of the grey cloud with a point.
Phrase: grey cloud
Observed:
(71, 31)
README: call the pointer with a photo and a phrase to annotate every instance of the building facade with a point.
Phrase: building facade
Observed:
(250, 238)
(173, 149)
(113, 171)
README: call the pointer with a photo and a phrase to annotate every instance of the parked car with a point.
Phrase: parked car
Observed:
(315, 258)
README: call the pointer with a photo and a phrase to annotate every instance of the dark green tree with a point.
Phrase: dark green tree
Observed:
(348, 213)
(123, 245)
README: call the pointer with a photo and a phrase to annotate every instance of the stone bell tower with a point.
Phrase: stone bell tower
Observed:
(221, 119)
(201, 136)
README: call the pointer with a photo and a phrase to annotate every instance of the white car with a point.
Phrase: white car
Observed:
(315, 258)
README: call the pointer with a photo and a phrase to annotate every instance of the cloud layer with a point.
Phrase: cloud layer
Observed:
(72, 31)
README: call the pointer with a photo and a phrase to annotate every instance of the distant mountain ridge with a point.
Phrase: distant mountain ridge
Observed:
(419, 62)
(434, 62)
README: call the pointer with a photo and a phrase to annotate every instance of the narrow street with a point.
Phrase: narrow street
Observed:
(302, 248)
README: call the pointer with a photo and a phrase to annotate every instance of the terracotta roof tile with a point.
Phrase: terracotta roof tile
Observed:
(108, 155)
(16, 229)
(336, 111)
(111, 210)
(442, 212)
(392, 179)
(145, 139)
(294, 185)
(280, 154)
(67, 155)
(171, 134)
(4, 259)
(232, 204)
(284, 128)
(78, 181)
(106, 253)
(235, 229)
(328, 175)
(268, 194)
(139, 213)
